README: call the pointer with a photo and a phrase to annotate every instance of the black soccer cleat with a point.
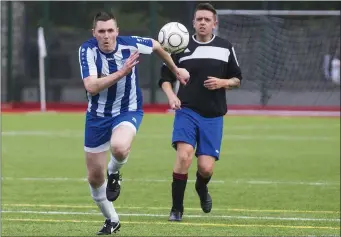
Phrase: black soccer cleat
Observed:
(205, 200)
(109, 227)
(175, 215)
(113, 186)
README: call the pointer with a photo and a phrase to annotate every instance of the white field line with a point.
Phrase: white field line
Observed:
(252, 182)
(228, 127)
(78, 134)
(61, 179)
(289, 182)
(187, 216)
(79, 206)
(163, 223)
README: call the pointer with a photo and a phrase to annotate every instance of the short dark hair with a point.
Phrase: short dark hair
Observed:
(207, 7)
(103, 16)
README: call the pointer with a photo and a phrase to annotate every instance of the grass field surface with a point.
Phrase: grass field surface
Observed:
(277, 176)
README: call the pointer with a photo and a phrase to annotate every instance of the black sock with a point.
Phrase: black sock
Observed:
(201, 184)
(178, 191)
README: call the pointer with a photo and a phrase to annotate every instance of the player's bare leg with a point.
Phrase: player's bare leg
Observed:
(120, 142)
(204, 174)
(96, 164)
(184, 156)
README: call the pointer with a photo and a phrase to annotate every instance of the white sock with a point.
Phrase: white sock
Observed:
(114, 165)
(106, 207)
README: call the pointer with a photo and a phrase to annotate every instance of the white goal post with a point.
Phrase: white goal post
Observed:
(42, 54)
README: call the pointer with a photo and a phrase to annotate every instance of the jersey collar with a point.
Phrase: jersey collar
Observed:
(193, 36)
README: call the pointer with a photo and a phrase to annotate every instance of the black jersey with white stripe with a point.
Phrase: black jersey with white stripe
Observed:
(214, 58)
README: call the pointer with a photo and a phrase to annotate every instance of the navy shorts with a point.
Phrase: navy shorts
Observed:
(204, 133)
(98, 129)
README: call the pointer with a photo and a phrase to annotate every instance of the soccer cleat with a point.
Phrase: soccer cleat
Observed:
(109, 227)
(175, 215)
(113, 186)
(205, 200)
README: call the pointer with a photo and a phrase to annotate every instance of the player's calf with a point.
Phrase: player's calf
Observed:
(205, 201)
(202, 190)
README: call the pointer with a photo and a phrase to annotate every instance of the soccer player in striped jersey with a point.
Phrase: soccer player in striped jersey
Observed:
(198, 125)
(108, 65)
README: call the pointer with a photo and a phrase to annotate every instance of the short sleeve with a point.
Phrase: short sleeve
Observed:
(87, 62)
(144, 45)
(233, 69)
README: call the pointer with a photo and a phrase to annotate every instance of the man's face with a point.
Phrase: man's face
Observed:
(106, 32)
(204, 22)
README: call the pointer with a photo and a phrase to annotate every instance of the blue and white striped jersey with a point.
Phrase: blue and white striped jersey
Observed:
(126, 94)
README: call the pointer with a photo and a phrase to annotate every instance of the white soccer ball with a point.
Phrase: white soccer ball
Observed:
(173, 37)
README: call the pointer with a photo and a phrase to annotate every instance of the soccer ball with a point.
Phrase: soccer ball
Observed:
(173, 37)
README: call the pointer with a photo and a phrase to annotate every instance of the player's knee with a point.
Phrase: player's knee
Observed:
(120, 151)
(205, 170)
(96, 178)
(185, 157)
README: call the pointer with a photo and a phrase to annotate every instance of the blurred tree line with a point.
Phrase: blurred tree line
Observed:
(133, 15)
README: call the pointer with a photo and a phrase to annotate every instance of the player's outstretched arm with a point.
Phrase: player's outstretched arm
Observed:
(181, 74)
(94, 85)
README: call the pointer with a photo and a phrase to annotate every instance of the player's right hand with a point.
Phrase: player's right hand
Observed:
(174, 102)
(182, 75)
(131, 62)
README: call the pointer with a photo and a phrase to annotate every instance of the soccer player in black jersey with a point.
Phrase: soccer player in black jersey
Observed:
(199, 105)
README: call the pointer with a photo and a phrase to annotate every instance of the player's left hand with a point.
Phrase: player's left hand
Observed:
(174, 102)
(213, 83)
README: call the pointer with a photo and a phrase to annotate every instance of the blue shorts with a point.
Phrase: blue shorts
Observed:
(98, 129)
(205, 133)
